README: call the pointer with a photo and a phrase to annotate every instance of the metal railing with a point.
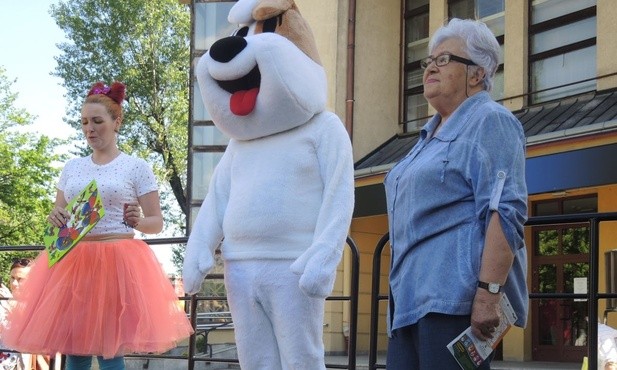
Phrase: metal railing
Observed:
(375, 299)
(353, 319)
(192, 357)
(592, 296)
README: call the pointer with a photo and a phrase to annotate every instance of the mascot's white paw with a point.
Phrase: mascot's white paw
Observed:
(195, 270)
(317, 270)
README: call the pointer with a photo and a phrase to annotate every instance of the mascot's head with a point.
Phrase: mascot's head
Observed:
(267, 77)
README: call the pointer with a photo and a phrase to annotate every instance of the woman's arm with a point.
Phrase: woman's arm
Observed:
(145, 214)
(497, 260)
(501, 199)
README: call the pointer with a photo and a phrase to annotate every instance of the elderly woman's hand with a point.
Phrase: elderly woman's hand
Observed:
(485, 314)
(58, 216)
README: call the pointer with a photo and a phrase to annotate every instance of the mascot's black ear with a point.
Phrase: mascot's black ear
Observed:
(241, 32)
(269, 25)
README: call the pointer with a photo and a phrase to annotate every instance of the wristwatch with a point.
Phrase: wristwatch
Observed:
(493, 288)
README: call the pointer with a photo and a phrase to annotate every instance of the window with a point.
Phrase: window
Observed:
(415, 106)
(475, 9)
(203, 168)
(562, 48)
(492, 13)
(210, 22)
(207, 143)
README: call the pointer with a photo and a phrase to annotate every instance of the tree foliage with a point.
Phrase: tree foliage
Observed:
(145, 44)
(27, 178)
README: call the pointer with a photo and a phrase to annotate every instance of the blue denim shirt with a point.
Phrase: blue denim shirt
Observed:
(440, 198)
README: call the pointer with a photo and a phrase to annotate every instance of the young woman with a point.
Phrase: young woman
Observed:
(108, 296)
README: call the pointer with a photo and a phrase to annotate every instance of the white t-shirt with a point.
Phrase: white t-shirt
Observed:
(119, 181)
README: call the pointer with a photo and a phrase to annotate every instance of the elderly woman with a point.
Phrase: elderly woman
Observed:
(456, 208)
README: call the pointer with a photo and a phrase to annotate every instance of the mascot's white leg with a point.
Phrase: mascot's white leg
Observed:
(277, 327)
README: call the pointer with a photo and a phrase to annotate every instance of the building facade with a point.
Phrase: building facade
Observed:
(558, 75)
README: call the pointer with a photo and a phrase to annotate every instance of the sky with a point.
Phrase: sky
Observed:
(28, 39)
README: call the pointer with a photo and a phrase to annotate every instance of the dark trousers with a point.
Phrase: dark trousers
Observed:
(422, 346)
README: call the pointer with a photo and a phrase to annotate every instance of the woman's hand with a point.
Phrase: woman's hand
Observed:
(132, 214)
(145, 214)
(485, 314)
(58, 216)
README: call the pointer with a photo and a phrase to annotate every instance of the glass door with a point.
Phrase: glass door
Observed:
(560, 264)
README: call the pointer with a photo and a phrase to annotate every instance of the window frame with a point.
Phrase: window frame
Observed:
(408, 68)
(196, 149)
(533, 58)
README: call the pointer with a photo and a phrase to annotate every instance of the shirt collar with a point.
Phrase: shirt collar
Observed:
(461, 115)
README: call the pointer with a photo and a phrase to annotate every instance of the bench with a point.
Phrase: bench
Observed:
(208, 322)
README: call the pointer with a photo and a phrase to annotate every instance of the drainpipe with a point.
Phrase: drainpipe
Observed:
(351, 48)
(349, 102)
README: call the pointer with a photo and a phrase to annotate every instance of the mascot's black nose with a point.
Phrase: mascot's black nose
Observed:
(227, 48)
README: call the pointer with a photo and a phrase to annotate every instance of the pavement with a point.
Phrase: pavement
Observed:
(338, 361)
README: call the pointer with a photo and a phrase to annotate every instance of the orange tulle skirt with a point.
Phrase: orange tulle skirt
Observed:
(105, 298)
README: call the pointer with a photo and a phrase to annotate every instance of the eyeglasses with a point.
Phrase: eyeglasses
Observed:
(23, 262)
(444, 59)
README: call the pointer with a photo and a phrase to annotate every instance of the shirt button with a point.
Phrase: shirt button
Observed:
(501, 174)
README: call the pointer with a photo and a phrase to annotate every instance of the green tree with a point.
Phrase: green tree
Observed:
(27, 178)
(145, 44)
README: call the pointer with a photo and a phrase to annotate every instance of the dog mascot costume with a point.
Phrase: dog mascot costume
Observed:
(280, 200)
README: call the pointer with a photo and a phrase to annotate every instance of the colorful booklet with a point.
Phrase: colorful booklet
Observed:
(470, 351)
(86, 209)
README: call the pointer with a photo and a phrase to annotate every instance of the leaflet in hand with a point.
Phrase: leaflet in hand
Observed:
(469, 351)
(86, 209)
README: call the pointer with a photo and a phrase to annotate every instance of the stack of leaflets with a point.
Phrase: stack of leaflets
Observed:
(470, 352)
(86, 209)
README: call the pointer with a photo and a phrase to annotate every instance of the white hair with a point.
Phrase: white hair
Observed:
(479, 43)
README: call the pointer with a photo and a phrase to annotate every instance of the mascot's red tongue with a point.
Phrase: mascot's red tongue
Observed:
(242, 102)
